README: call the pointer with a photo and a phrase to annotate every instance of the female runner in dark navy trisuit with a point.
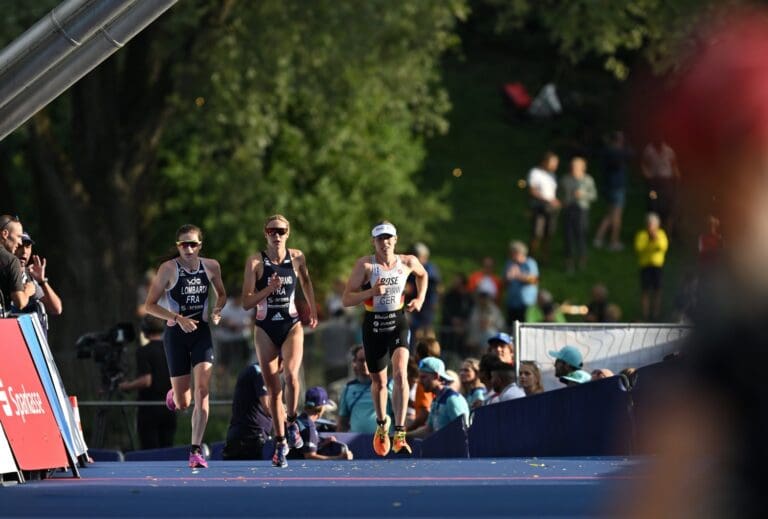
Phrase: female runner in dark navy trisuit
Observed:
(184, 280)
(269, 284)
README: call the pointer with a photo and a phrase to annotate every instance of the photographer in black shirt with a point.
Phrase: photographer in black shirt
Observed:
(156, 424)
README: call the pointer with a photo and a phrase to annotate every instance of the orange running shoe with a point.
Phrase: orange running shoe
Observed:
(400, 443)
(381, 443)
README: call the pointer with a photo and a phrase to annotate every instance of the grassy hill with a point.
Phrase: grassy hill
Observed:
(494, 152)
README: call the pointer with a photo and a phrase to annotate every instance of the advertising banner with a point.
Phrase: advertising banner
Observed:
(25, 411)
(7, 464)
(51, 379)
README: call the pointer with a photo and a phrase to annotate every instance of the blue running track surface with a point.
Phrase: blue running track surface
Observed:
(469, 488)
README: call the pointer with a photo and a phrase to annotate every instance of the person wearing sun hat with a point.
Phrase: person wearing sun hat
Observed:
(447, 405)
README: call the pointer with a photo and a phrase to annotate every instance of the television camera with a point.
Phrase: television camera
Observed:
(106, 349)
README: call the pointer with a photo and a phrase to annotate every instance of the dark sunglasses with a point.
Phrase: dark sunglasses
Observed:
(9, 219)
(276, 230)
(193, 244)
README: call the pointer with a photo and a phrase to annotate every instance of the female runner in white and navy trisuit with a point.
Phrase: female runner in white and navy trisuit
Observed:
(269, 284)
(184, 280)
(378, 281)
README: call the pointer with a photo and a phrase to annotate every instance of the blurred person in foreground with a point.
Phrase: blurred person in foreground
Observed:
(708, 433)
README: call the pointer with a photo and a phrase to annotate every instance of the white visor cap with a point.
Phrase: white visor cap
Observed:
(384, 228)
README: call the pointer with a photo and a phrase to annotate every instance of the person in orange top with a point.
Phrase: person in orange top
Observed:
(486, 271)
(422, 400)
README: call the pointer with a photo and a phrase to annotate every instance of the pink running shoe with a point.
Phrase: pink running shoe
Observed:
(170, 403)
(196, 460)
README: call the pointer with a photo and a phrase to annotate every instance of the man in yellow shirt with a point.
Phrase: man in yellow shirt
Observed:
(651, 246)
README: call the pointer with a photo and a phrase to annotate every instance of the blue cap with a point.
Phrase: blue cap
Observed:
(26, 238)
(436, 366)
(579, 376)
(570, 355)
(316, 397)
(501, 337)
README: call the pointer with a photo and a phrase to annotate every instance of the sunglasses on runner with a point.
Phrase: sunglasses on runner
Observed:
(193, 244)
(276, 230)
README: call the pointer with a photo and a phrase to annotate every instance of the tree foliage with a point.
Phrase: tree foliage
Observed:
(221, 113)
(614, 31)
(315, 110)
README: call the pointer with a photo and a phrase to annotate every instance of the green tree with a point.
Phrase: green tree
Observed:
(615, 31)
(221, 113)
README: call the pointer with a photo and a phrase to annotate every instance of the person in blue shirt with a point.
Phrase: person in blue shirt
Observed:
(447, 406)
(313, 447)
(522, 276)
(356, 410)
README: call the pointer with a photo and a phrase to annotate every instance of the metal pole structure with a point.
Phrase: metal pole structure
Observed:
(52, 47)
(77, 64)
(40, 31)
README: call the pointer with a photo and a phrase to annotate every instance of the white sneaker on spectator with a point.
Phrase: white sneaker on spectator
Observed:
(616, 247)
(598, 244)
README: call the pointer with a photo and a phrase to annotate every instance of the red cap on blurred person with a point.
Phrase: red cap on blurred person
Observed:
(718, 106)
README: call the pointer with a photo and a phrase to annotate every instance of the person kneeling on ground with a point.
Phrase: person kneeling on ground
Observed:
(315, 402)
(251, 420)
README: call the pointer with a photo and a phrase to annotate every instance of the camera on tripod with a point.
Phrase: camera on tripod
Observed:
(106, 349)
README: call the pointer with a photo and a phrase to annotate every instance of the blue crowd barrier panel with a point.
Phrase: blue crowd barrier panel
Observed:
(217, 451)
(586, 420)
(106, 455)
(449, 442)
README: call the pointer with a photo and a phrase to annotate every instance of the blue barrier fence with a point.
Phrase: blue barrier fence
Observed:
(595, 419)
